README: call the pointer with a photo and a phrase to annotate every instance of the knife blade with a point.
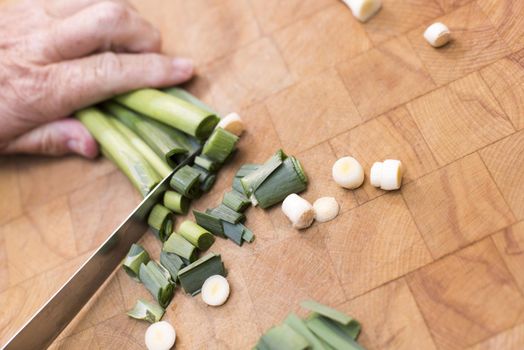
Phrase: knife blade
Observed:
(47, 323)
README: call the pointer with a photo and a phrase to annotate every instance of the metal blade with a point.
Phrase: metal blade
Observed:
(47, 323)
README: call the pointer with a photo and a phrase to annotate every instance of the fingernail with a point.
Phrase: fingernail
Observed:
(76, 147)
(183, 65)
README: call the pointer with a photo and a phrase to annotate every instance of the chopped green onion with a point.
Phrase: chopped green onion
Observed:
(196, 235)
(186, 96)
(161, 220)
(172, 263)
(178, 245)
(288, 178)
(158, 281)
(236, 201)
(166, 142)
(210, 222)
(159, 164)
(247, 169)
(237, 185)
(234, 232)
(193, 276)
(330, 332)
(256, 178)
(284, 337)
(171, 110)
(134, 166)
(206, 163)
(186, 182)
(206, 179)
(220, 145)
(248, 235)
(227, 214)
(176, 202)
(330, 313)
(146, 311)
(136, 256)
(300, 327)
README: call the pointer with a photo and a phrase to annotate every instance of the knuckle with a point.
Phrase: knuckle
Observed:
(112, 13)
(106, 65)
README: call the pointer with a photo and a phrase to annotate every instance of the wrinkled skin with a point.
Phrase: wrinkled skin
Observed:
(57, 56)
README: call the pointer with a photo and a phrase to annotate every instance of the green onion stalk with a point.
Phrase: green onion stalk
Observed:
(188, 97)
(196, 235)
(210, 222)
(172, 111)
(220, 145)
(120, 151)
(157, 281)
(193, 276)
(178, 245)
(161, 220)
(146, 311)
(175, 202)
(136, 256)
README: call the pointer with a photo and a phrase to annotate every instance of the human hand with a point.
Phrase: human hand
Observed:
(57, 56)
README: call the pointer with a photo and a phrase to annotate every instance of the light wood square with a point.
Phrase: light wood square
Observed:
(390, 319)
(505, 161)
(462, 299)
(512, 339)
(393, 135)
(312, 111)
(508, 18)
(4, 267)
(311, 45)
(12, 207)
(450, 5)
(360, 244)
(385, 77)
(505, 79)
(275, 14)
(475, 43)
(247, 76)
(457, 205)
(510, 243)
(460, 118)
(397, 17)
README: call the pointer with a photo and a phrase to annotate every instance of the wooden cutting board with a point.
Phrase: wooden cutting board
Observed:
(438, 264)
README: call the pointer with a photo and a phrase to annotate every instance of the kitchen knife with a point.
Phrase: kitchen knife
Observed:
(51, 319)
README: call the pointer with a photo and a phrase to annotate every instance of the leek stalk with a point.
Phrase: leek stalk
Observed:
(236, 201)
(210, 222)
(136, 256)
(157, 281)
(172, 263)
(252, 181)
(220, 145)
(196, 235)
(193, 276)
(176, 202)
(176, 244)
(188, 97)
(161, 221)
(146, 311)
(186, 182)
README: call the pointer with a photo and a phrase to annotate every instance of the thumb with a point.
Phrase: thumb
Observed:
(55, 139)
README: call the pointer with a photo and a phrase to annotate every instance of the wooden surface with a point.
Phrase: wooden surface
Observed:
(436, 265)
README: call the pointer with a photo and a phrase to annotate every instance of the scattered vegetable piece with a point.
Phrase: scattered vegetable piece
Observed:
(363, 10)
(299, 326)
(206, 178)
(136, 256)
(209, 222)
(283, 337)
(220, 145)
(171, 110)
(186, 182)
(160, 336)
(158, 282)
(178, 245)
(193, 276)
(286, 179)
(348, 173)
(176, 202)
(232, 123)
(252, 181)
(234, 232)
(330, 332)
(326, 311)
(196, 235)
(172, 263)
(437, 34)
(248, 235)
(215, 290)
(146, 311)
(206, 163)
(161, 221)
(236, 201)
(326, 209)
(247, 169)
(298, 210)
(387, 175)
(120, 151)
(227, 214)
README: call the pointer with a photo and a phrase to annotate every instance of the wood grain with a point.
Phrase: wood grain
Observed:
(457, 205)
(477, 300)
(434, 265)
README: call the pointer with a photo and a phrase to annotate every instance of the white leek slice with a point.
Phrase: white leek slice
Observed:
(326, 209)
(375, 174)
(391, 178)
(348, 173)
(215, 290)
(437, 34)
(232, 123)
(364, 9)
(160, 336)
(298, 210)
